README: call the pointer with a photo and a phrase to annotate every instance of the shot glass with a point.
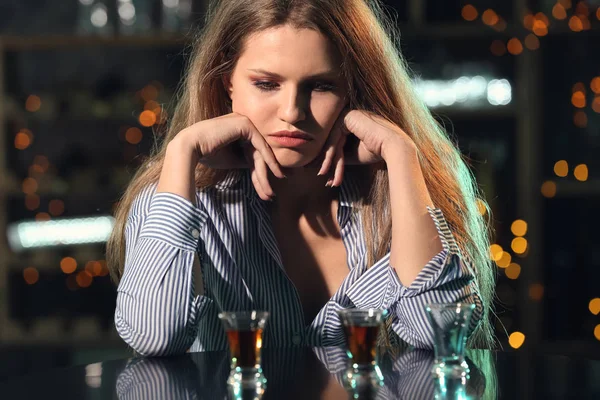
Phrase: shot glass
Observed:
(244, 332)
(450, 323)
(361, 327)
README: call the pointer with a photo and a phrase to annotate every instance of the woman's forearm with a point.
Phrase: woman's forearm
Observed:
(178, 171)
(415, 238)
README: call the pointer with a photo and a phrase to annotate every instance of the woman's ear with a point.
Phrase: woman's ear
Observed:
(227, 85)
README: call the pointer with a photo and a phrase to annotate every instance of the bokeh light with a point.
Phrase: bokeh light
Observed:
(519, 245)
(513, 271)
(519, 227)
(84, 279)
(597, 331)
(504, 260)
(469, 12)
(559, 12)
(532, 42)
(147, 118)
(33, 103)
(581, 172)
(575, 24)
(578, 99)
(68, 265)
(495, 252)
(23, 139)
(596, 104)
(594, 306)
(595, 83)
(31, 275)
(56, 207)
(489, 17)
(29, 186)
(516, 340)
(548, 189)
(32, 202)
(133, 135)
(561, 168)
(498, 48)
(42, 216)
(514, 46)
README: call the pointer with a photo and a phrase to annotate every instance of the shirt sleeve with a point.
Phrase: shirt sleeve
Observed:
(446, 278)
(156, 311)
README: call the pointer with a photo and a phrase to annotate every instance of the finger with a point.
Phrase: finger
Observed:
(262, 175)
(259, 143)
(257, 186)
(255, 162)
(338, 174)
(332, 141)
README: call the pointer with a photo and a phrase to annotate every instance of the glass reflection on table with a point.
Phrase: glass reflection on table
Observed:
(300, 373)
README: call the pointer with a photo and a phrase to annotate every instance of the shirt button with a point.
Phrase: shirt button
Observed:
(296, 339)
(195, 233)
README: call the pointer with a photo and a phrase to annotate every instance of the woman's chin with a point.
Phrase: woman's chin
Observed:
(288, 159)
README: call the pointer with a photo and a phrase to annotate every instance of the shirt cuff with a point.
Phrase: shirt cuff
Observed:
(377, 287)
(175, 220)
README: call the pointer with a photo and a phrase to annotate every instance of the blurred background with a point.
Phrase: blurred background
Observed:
(86, 84)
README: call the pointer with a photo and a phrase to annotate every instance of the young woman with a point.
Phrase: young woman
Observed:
(306, 176)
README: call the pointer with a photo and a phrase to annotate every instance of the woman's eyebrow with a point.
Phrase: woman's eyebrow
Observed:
(324, 74)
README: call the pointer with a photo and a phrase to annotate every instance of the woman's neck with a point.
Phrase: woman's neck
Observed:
(302, 192)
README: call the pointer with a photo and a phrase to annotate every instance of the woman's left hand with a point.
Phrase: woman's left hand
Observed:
(361, 137)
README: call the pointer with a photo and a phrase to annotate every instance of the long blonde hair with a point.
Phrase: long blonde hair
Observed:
(378, 81)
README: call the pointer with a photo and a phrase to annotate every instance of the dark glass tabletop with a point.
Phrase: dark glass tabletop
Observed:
(314, 373)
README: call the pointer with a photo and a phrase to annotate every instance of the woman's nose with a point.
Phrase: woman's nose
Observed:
(293, 106)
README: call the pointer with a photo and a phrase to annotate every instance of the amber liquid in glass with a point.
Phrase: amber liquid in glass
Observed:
(361, 343)
(245, 347)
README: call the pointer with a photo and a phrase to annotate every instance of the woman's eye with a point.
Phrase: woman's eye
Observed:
(265, 86)
(318, 86)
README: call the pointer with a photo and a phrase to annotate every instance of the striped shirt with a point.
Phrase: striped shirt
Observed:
(158, 312)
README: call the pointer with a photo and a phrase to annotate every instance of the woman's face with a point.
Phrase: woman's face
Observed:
(289, 80)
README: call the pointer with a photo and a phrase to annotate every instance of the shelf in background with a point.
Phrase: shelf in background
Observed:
(16, 43)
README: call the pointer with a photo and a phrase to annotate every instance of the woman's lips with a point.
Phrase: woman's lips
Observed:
(290, 141)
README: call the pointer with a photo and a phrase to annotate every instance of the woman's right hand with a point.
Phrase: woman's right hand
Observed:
(214, 143)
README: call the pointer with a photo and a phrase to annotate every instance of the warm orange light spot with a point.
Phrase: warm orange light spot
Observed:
(578, 99)
(542, 17)
(549, 189)
(35, 170)
(23, 139)
(514, 46)
(575, 24)
(29, 186)
(149, 93)
(532, 42)
(598, 13)
(585, 23)
(31, 275)
(516, 340)
(597, 331)
(489, 17)
(519, 245)
(469, 12)
(481, 207)
(594, 306)
(68, 265)
(32, 202)
(519, 227)
(580, 119)
(96, 268)
(540, 28)
(559, 12)
(596, 104)
(134, 135)
(536, 291)
(581, 172)
(84, 279)
(56, 207)
(42, 216)
(147, 118)
(513, 271)
(561, 168)
(495, 252)
(504, 260)
(500, 25)
(33, 103)
(151, 105)
(104, 267)
(498, 48)
(595, 82)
